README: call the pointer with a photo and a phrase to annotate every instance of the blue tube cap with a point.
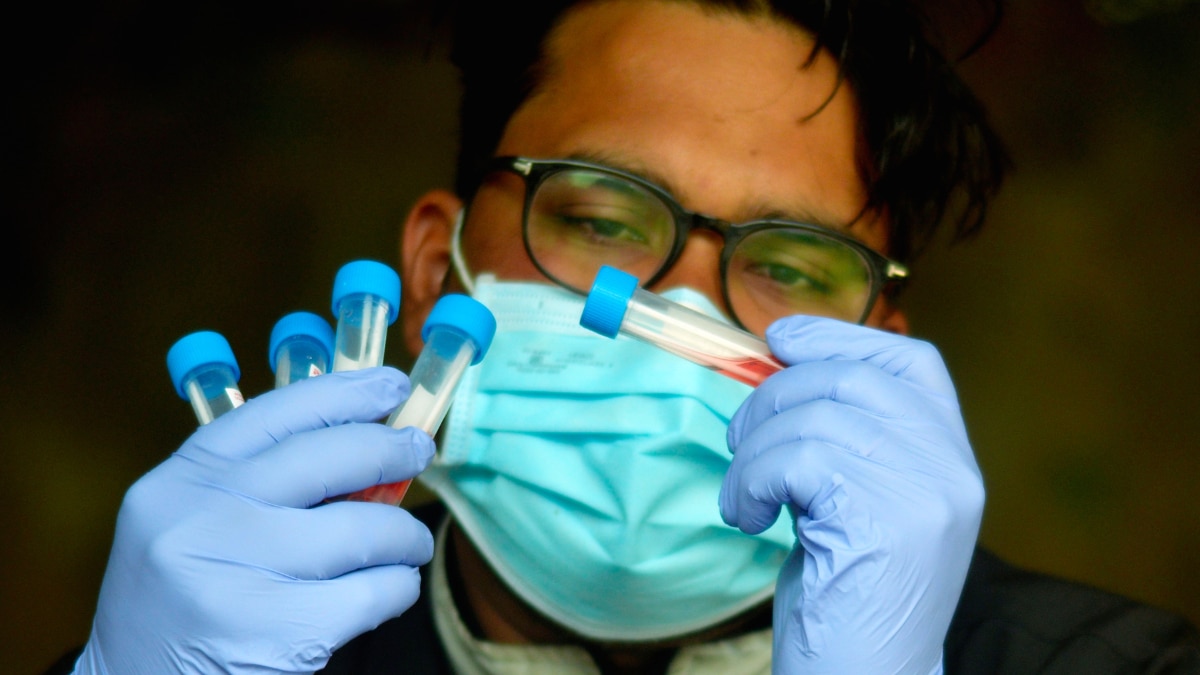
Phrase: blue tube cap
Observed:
(607, 301)
(298, 324)
(368, 276)
(202, 348)
(466, 316)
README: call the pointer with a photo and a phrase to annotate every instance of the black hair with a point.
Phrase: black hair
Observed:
(929, 150)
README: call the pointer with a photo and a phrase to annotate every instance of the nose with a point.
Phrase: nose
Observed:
(698, 267)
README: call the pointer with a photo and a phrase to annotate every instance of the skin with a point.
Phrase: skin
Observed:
(717, 108)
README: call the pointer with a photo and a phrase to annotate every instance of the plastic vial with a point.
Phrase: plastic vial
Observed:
(366, 300)
(616, 305)
(457, 334)
(301, 347)
(204, 372)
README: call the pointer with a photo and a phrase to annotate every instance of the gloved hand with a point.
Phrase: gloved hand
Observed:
(220, 565)
(862, 439)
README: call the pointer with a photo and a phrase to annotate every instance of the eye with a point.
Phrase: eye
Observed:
(596, 216)
(601, 230)
(792, 280)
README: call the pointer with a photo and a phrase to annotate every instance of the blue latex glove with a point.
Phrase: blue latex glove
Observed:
(219, 564)
(862, 439)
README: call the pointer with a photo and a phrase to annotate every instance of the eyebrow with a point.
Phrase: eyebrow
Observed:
(628, 166)
(758, 211)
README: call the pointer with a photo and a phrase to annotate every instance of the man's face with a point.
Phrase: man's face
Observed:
(719, 109)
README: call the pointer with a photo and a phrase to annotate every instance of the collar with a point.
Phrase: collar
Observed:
(748, 654)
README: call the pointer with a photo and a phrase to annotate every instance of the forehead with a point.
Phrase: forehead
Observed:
(726, 109)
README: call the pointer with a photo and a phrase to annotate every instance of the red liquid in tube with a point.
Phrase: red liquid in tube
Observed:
(746, 371)
(390, 493)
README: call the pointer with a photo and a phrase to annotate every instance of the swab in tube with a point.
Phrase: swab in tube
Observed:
(457, 334)
(366, 300)
(301, 346)
(616, 305)
(205, 373)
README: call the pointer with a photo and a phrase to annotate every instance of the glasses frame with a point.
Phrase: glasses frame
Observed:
(883, 271)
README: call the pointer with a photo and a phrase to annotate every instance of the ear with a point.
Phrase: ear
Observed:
(425, 259)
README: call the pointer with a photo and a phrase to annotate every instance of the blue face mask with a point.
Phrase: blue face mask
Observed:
(586, 470)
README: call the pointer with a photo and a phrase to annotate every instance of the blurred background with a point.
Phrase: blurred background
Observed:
(172, 168)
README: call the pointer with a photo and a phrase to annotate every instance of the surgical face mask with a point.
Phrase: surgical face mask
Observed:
(586, 470)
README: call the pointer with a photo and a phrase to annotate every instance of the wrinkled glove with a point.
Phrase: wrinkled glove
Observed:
(862, 439)
(225, 559)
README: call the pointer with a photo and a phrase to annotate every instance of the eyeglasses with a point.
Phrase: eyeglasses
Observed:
(579, 216)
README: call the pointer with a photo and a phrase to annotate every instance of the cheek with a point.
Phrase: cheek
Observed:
(499, 252)
(885, 315)
(491, 240)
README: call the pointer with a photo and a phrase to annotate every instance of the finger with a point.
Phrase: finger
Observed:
(330, 400)
(843, 426)
(909, 443)
(804, 339)
(332, 540)
(308, 468)
(850, 383)
(756, 488)
(358, 602)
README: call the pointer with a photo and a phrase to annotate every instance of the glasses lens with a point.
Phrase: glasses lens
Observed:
(581, 219)
(782, 271)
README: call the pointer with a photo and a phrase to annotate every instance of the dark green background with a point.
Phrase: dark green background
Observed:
(210, 166)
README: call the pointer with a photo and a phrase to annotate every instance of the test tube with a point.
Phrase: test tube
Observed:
(366, 300)
(616, 305)
(205, 373)
(301, 346)
(457, 334)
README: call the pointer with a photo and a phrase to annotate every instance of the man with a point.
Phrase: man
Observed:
(725, 156)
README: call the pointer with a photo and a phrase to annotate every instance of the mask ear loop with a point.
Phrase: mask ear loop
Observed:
(457, 262)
